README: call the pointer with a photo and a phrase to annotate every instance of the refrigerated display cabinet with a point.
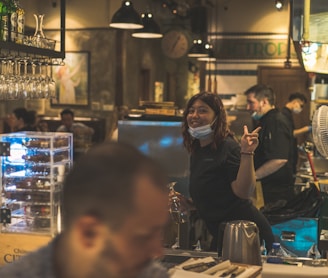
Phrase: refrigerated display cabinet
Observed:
(31, 180)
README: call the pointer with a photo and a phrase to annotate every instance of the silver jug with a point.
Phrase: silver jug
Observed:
(241, 243)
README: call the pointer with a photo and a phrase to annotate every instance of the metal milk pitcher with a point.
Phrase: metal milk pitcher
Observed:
(241, 243)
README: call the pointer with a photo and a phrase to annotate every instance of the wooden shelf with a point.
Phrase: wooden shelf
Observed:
(10, 46)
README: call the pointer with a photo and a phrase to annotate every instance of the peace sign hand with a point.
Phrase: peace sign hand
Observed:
(249, 141)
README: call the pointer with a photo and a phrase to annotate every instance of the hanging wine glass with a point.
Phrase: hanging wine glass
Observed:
(40, 81)
(45, 80)
(15, 79)
(3, 83)
(11, 93)
(32, 82)
(178, 213)
(24, 80)
(50, 82)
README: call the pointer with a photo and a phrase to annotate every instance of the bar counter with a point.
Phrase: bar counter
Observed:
(297, 267)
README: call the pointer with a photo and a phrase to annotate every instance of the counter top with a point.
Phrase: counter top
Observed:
(292, 271)
(308, 267)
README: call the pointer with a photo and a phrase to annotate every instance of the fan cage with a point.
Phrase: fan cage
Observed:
(320, 130)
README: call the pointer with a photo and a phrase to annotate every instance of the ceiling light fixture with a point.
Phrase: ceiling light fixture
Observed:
(199, 49)
(150, 28)
(279, 4)
(209, 58)
(126, 17)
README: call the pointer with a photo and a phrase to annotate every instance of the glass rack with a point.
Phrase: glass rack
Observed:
(27, 50)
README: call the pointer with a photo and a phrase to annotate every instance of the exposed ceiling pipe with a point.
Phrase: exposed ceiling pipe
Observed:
(288, 63)
(306, 20)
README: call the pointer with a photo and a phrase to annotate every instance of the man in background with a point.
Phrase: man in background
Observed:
(68, 124)
(115, 207)
(21, 120)
(272, 159)
(295, 104)
(82, 134)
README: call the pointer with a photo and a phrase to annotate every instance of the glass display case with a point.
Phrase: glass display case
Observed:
(31, 180)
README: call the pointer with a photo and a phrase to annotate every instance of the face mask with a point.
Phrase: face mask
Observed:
(256, 116)
(297, 110)
(201, 132)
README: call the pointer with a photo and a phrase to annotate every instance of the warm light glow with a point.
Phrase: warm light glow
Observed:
(206, 59)
(147, 35)
(125, 25)
(279, 5)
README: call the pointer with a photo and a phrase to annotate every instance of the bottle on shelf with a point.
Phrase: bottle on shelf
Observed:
(4, 20)
(12, 21)
(16, 22)
(276, 254)
(20, 22)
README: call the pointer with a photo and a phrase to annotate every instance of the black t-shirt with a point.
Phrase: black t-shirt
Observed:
(211, 174)
(275, 142)
(289, 115)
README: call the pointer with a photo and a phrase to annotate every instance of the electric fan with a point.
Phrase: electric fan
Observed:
(320, 130)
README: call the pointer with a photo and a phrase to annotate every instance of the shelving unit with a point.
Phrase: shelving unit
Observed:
(30, 50)
(21, 48)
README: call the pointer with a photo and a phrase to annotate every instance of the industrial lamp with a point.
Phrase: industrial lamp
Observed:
(150, 28)
(279, 4)
(126, 17)
(210, 57)
(199, 49)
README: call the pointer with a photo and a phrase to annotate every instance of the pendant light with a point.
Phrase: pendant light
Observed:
(126, 17)
(210, 57)
(150, 28)
(199, 49)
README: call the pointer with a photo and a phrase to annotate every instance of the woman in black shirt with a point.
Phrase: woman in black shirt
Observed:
(222, 175)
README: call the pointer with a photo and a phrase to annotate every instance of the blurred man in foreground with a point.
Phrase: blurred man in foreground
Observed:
(115, 206)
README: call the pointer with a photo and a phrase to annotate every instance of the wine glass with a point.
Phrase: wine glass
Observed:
(3, 79)
(179, 213)
(24, 79)
(51, 85)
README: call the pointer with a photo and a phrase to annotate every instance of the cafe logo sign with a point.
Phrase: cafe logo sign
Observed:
(252, 49)
(14, 255)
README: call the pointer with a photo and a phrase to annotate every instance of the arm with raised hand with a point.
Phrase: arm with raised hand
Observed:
(244, 184)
